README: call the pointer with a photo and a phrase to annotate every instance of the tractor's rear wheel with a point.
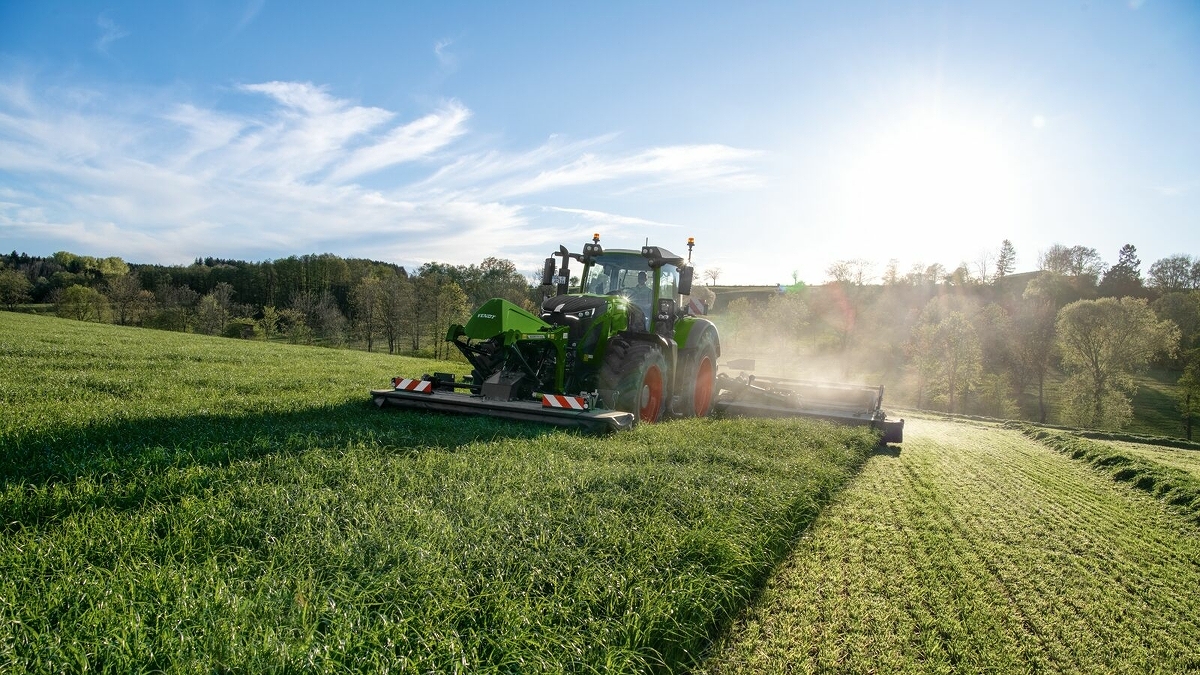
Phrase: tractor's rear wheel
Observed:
(698, 378)
(638, 372)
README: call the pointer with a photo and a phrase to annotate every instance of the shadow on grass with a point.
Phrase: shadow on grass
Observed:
(886, 450)
(126, 458)
(137, 445)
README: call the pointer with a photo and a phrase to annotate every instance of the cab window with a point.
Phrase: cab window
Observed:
(668, 279)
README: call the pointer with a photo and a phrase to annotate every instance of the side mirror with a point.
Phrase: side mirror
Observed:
(685, 280)
(564, 275)
(548, 272)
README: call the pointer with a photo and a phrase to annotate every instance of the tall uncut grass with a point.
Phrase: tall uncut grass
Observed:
(181, 503)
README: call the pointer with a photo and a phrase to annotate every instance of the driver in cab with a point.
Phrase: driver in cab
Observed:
(641, 294)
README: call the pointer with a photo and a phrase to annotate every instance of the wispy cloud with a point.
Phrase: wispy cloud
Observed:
(686, 164)
(602, 218)
(1178, 189)
(414, 140)
(110, 32)
(310, 171)
(252, 9)
(445, 57)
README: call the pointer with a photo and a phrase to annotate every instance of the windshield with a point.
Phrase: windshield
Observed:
(623, 272)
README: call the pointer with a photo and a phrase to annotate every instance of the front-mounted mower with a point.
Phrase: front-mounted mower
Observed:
(622, 347)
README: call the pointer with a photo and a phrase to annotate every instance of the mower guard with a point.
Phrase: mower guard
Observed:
(595, 421)
(850, 404)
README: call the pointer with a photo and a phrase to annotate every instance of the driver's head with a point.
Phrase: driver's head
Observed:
(641, 278)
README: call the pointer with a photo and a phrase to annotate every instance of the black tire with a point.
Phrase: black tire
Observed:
(698, 379)
(638, 372)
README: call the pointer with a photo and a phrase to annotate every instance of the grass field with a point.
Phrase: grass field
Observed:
(978, 550)
(181, 503)
(1155, 406)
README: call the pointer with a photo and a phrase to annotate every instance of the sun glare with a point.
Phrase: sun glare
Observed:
(930, 176)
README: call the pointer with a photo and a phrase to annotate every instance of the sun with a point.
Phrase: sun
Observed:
(931, 175)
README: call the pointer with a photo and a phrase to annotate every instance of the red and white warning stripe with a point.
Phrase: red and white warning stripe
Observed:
(419, 386)
(568, 402)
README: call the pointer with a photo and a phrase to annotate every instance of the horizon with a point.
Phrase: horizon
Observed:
(783, 138)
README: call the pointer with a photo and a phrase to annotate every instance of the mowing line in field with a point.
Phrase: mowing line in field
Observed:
(978, 550)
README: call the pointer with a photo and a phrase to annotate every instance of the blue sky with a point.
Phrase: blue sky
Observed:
(782, 136)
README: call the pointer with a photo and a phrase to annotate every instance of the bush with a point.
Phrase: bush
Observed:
(244, 328)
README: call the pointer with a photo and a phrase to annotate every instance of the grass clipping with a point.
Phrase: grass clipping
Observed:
(1175, 487)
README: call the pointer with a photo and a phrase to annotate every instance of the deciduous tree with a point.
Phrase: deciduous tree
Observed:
(855, 272)
(1182, 309)
(123, 293)
(82, 304)
(1033, 346)
(14, 288)
(396, 303)
(211, 317)
(1173, 274)
(365, 302)
(947, 352)
(1074, 261)
(1104, 343)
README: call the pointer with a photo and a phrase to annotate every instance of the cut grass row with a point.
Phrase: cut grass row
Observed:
(180, 503)
(974, 550)
(1179, 487)
(1184, 460)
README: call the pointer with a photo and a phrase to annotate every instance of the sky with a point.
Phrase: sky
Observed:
(783, 136)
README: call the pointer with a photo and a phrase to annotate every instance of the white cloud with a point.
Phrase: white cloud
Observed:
(114, 174)
(110, 33)
(602, 218)
(708, 165)
(406, 143)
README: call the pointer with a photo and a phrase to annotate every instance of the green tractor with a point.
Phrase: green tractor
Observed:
(623, 348)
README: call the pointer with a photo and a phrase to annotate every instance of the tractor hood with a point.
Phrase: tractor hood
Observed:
(498, 316)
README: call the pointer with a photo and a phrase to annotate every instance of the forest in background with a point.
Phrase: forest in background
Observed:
(1060, 344)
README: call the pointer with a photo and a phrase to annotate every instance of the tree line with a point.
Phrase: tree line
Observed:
(311, 299)
(976, 339)
(981, 339)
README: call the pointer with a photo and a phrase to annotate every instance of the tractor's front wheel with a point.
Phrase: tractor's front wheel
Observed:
(638, 372)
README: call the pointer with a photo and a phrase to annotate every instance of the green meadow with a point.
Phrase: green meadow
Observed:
(180, 503)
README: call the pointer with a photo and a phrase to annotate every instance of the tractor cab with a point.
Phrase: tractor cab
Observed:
(631, 275)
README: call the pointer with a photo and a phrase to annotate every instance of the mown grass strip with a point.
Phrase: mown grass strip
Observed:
(178, 503)
(1182, 460)
(1177, 488)
(1164, 441)
(977, 550)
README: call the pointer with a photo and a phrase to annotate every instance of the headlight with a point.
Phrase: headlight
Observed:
(584, 314)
